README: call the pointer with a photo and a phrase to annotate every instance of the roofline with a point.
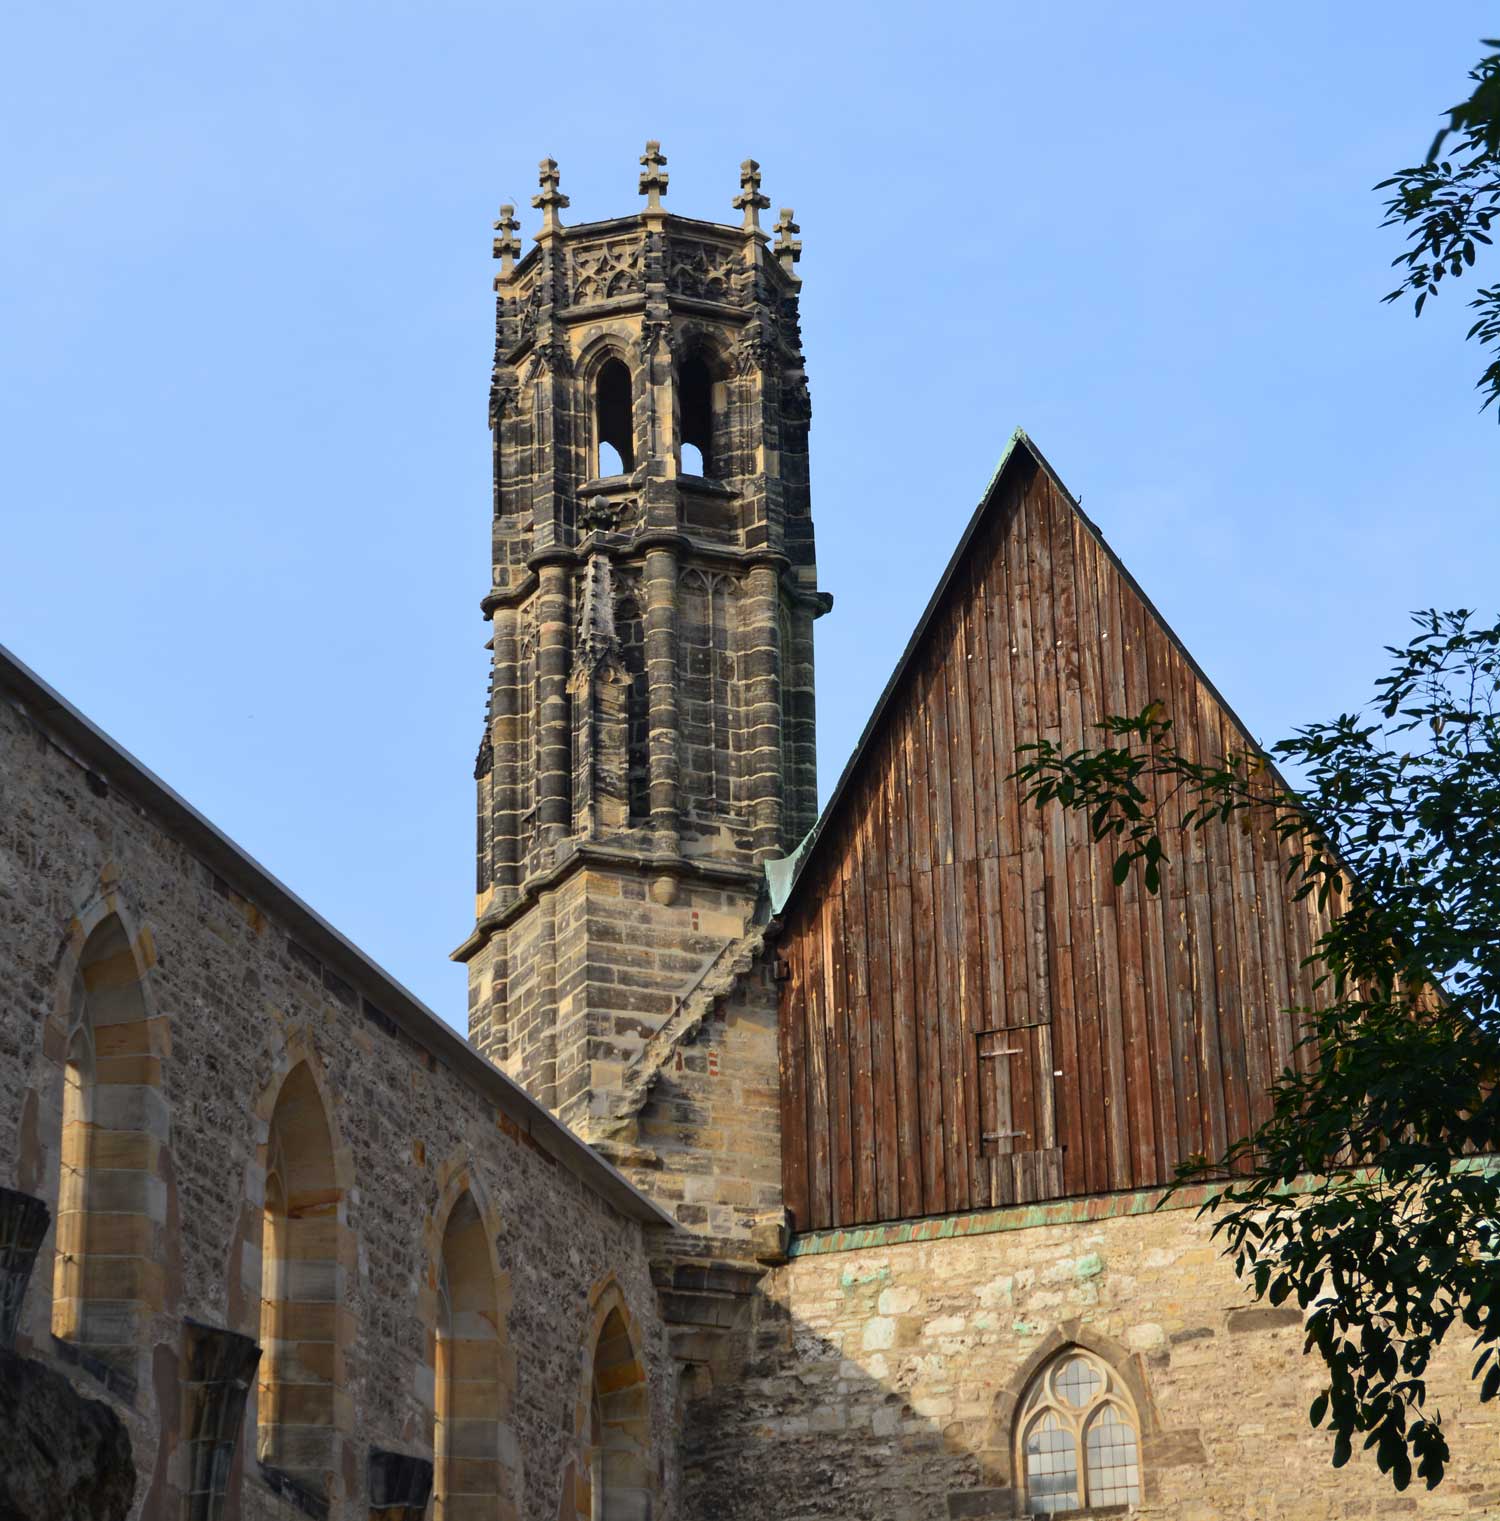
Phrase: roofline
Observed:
(85, 741)
(1019, 442)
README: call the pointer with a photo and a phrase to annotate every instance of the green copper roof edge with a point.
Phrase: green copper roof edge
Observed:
(1016, 1217)
(1022, 1217)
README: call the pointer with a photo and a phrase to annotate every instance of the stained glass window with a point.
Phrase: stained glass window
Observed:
(1077, 1440)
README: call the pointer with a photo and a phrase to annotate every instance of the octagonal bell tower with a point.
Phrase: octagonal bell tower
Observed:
(650, 733)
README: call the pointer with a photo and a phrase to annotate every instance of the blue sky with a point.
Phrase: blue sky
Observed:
(245, 293)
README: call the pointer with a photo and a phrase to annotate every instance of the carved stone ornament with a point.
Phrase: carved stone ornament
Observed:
(752, 352)
(705, 270)
(656, 332)
(554, 356)
(503, 396)
(604, 514)
(607, 270)
(531, 313)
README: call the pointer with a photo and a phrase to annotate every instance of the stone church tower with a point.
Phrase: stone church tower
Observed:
(649, 740)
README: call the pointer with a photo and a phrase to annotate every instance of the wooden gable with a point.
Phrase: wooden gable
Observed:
(972, 1014)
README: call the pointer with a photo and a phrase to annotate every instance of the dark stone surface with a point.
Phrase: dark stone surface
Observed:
(981, 1502)
(62, 1457)
(1264, 1318)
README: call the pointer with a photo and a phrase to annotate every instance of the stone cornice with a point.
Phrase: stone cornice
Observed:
(613, 858)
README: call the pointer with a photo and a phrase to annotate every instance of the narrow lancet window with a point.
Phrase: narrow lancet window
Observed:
(695, 401)
(301, 1291)
(613, 422)
(618, 1430)
(111, 1206)
(466, 1444)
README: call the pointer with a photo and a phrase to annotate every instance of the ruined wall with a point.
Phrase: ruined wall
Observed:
(885, 1379)
(235, 1004)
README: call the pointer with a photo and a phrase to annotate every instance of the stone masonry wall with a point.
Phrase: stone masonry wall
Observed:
(706, 1142)
(238, 1002)
(884, 1380)
(567, 995)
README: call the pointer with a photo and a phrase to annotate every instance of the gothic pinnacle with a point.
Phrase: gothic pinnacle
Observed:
(551, 200)
(750, 200)
(653, 175)
(507, 246)
(788, 246)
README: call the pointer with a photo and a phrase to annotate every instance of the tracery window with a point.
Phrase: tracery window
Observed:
(1077, 1438)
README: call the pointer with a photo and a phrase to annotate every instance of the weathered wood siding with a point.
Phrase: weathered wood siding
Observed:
(972, 1013)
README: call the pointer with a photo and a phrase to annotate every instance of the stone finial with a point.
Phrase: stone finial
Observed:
(788, 246)
(653, 175)
(551, 200)
(750, 200)
(507, 245)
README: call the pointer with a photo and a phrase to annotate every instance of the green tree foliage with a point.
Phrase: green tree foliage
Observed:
(1449, 204)
(1368, 1197)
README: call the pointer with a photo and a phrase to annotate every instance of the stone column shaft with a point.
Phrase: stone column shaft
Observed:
(509, 762)
(554, 660)
(760, 671)
(661, 685)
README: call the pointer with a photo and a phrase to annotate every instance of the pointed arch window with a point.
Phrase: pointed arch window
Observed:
(619, 1442)
(700, 401)
(466, 1444)
(301, 1369)
(111, 1202)
(614, 425)
(1077, 1438)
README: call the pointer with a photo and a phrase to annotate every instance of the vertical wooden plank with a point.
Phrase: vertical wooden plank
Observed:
(1078, 1028)
(1280, 962)
(934, 1147)
(819, 1097)
(1148, 943)
(1205, 993)
(972, 1018)
(945, 881)
(1092, 891)
(1255, 1016)
(842, 1127)
(903, 976)
(940, 790)
(956, 657)
(1170, 914)
(1122, 955)
(882, 1035)
(999, 640)
(791, 1031)
(856, 973)
(984, 763)
(1226, 953)
(939, 786)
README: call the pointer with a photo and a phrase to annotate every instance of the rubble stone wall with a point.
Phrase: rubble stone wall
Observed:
(238, 1003)
(885, 1380)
